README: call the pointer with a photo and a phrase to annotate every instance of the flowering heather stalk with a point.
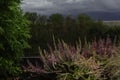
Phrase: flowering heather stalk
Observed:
(33, 69)
(101, 48)
(73, 62)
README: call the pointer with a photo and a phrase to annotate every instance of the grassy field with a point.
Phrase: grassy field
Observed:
(112, 23)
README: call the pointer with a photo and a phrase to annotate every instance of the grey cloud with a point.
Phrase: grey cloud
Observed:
(70, 6)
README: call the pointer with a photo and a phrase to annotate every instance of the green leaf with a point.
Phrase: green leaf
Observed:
(1, 30)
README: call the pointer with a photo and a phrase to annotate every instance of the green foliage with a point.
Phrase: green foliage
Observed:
(82, 70)
(68, 29)
(14, 34)
(8, 67)
(112, 69)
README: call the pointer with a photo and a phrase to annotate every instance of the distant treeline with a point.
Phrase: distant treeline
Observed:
(67, 28)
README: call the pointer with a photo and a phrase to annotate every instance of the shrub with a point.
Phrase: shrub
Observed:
(100, 49)
(8, 67)
(14, 34)
(76, 63)
(112, 69)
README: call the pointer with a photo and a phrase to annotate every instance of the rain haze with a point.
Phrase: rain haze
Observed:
(103, 9)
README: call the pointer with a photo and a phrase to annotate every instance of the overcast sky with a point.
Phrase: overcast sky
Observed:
(47, 7)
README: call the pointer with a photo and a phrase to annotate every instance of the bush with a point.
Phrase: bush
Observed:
(77, 63)
(8, 67)
(112, 69)
(14, 34)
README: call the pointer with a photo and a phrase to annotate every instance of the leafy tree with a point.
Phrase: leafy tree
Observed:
(97, 30)
(31, 17)
(56, 22)
(70, 29)
(66, 28)
(84, 23)
(14, 34)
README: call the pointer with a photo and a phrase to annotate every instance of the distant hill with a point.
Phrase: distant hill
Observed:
(105, 16)
(96, 15)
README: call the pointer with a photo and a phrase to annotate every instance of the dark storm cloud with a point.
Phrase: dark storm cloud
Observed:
(70, 6)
